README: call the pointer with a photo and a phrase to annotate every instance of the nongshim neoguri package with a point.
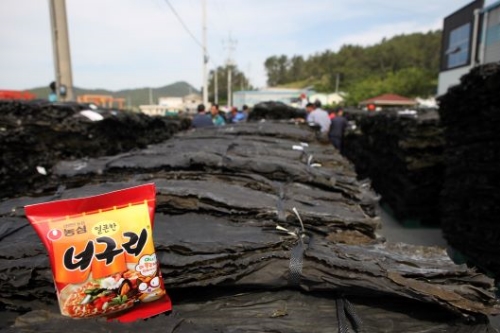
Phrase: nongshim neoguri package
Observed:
(102, 254)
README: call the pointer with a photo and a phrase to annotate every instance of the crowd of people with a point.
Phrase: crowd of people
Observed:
(217, 118)
(332, 125)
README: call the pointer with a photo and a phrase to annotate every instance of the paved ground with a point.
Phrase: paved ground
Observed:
(393, 231)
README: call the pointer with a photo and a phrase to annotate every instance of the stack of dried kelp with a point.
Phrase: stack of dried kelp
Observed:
(38, 134)
(470, 113)
(401, 152)
(275, 111)
(221, 193)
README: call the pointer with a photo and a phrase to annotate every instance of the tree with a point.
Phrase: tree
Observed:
(404, 64)
(297, 69)
(238, 82)
(277, 70)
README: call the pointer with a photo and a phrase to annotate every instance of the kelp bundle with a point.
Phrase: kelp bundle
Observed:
(38, 134)
(275, 111)
(255, 229)
(470, 113)
(401, 152)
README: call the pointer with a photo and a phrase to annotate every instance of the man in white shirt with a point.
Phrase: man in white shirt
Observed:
(316, 115)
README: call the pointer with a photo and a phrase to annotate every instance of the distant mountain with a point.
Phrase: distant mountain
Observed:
(136, 97)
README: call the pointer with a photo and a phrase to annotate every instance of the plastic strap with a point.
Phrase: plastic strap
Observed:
(280, 206)
(296, 261)
(59, 192)
(343, 325)
(344, 307)
(357, 323)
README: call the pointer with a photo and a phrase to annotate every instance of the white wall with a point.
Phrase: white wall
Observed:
(450, 78)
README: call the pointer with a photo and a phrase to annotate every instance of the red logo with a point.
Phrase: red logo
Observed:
(54, 234)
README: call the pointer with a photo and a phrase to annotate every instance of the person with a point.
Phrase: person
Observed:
(316, 115)
(232, 115)
(303, 101)
(331, 114)
(238, 116)
(246, 111)
(337, 130)
(202, 119)
(217, 119)
(52, 95)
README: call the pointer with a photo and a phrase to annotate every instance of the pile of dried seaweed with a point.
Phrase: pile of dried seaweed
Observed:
(221, 194)
(275, 111)
(401, 152)
(470, 113)
(38, 134)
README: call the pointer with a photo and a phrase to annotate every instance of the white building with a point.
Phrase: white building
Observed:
(252, 97)
(327, 99)
(154, 110)
(191, 102)
(171, 103)
(471, 37)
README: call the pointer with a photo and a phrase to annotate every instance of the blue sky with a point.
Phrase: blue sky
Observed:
(121, 44)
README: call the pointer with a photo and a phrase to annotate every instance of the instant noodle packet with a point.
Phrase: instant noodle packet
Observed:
(102, 254)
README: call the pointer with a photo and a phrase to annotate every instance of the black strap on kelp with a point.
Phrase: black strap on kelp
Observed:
(296, 262)
(346, 310)
(297, 253)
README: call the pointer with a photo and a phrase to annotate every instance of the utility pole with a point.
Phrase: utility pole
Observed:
(62, 56)
(205, 54)
(337, 83)
(249, 71)
(216, 87)
(229, 93)
(231, 45)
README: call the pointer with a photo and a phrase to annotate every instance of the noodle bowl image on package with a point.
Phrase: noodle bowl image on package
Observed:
(102, 254)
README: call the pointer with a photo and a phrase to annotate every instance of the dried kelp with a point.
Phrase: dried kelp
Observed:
(470, 202)
(402, 154)
(38, 134)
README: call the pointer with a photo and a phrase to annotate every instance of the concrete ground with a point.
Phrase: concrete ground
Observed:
(393, 231)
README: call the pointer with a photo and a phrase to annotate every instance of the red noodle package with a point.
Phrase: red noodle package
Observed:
(102, 254)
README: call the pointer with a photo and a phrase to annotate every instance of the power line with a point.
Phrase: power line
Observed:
(184, 25)
(181, 21)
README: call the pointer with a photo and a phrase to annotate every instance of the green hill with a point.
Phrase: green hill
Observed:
(135, 97)
(407, 65)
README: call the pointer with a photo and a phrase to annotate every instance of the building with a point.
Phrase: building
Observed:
(154, 110)
(387, 101)
(173, 105)
(489, 49)
(16, 94)
(327, 99)
(191, 102)
(106, 101)
(253, 97)
(471, 37)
